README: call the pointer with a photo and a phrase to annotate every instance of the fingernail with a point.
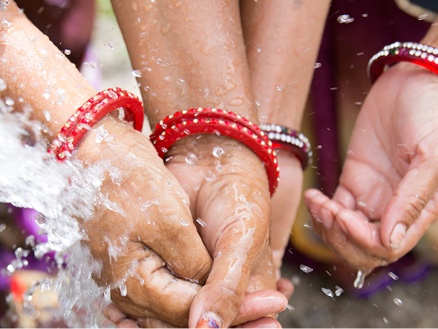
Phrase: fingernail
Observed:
(397, 235)
(209, 320)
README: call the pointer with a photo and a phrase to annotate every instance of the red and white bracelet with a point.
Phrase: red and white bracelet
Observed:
(416, 53)
(216, 121)
(92, 111)
(288, 139)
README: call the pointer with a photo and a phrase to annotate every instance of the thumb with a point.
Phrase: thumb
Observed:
(406, 208)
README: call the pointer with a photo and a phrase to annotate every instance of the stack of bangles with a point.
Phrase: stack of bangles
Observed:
(92, 111)
(284, 138)
(220, 122)
(168, 131)
(412, 52)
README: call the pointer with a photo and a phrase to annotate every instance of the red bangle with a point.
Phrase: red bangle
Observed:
(220, 122)
(295, 142)
(91, 112)
(416, 53)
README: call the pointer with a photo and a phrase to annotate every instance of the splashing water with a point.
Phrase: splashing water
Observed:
(60, 193)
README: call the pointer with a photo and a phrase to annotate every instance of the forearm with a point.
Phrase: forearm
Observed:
(36, 73)
(190, 54)
(283, 39)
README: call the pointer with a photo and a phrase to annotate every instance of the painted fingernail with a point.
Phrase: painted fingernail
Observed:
(397, 235)
(209, 320)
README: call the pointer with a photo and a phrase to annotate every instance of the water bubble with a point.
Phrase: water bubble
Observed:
(398, 301)
(137, 73)
(3, 85)
(345, 19)
(218, 151)
(305, 268)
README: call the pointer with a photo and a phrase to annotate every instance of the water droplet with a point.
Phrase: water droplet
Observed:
(209, 176)
(9, 101)
(259, 50)
(191, 158)
(339, 291)
(290, 308)
(3, 85)
(184, 222)
(328, 292)
(109, 45)
(218, 151)
(305, 268)
(317, 65)
(201, 222)
(393, 276)
(67, 52)
(137, 73)
(123, 289)
(149, 203)
(423, 17)
(46, 95)
(345, 19)
(360, 280)
(6, 23)
(365, 15)
(398, 301)
(279, 88)
(2, 227)
(385, 320)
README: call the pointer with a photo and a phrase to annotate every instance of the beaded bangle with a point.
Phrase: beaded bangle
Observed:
(291, 140)
(416, 53)
(220, 122)
(92, 111)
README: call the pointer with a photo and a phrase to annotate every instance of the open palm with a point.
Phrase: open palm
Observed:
(386, 197)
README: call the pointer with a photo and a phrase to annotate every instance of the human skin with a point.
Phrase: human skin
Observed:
(282, 39)
(192, 54)
(165, 293)
(386, 198)
(36, 73)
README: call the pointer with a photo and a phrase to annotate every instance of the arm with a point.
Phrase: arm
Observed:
(192, 54)
(37, 74)
(282, 39)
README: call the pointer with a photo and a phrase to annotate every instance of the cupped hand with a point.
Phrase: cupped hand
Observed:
(142, 232)
(387, 194)
(229, 198)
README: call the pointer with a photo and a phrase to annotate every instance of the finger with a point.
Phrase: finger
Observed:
(345, 244)
(408, 204)
(150, 290)
(261, 323)
(153, 323)
(113, 313)
(236, 231)
(174, 236)
(286, 287)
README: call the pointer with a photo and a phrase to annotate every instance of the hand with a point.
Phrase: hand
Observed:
(387, 194)
(142, 233)
(284, 207)
(229, 198)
